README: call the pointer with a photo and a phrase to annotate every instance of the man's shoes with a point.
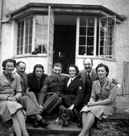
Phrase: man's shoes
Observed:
(36, 124)
(43, 123)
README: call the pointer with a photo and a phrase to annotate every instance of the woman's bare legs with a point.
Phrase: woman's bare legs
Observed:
(16, 126)
(87, 120)
(21, 121)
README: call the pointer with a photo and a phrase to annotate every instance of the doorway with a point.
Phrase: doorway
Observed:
(64, 45)
(64, 40)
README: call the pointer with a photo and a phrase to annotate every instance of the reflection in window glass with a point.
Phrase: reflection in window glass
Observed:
(107, 36)
(20, 38)
(28, 35)
(25, 35)
(41, 31)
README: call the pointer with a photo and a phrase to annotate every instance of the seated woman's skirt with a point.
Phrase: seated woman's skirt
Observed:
(8, 108)
(100, 111)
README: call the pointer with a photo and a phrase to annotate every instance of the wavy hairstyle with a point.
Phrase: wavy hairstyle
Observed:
(38, 66)
(6, 61)
(103, 65)
(76, 68)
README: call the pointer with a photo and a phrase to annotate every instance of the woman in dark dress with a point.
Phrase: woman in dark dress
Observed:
(36, 79)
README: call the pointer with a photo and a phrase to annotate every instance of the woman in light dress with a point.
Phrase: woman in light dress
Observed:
(10, 89)
(102, 102)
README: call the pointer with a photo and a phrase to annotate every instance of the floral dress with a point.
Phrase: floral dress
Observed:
(101, 92)
(9, 88)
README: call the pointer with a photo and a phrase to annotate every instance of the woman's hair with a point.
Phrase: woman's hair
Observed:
(76, 68)
(8, 60)
(38, 66)
(103, 65)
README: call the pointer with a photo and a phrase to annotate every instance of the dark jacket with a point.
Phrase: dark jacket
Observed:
(73, 94)
(51, 85)
(34, 84)
(87, 84)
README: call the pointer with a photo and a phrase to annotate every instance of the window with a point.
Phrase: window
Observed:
(96, 36)
(106, 39)
(86, 36)
(41, 30)
(32, 28)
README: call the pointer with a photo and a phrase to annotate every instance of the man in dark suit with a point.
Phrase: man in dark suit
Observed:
(88, 75)
(50, 95)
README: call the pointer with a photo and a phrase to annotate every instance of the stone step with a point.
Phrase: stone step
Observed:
(110, 125)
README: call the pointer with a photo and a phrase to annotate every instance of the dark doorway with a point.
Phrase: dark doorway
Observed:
(64, 45)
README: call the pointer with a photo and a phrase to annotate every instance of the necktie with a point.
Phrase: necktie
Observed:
(70, 80)
(89, 76)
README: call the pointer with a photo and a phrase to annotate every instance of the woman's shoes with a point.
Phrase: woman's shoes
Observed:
(43, 123)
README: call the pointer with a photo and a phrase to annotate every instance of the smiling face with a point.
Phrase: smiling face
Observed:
(21, 68)
(57, 70)
(38, 72)
(72, 72)
(88, 65)
(101, 73)
(9, 67)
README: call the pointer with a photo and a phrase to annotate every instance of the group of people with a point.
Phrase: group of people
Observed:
(89, 93)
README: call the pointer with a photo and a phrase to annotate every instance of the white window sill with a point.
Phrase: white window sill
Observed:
(30, 55)
(96, 57)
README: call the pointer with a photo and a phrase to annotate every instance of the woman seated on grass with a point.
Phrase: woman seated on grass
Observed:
(102, 102)
(10, 89)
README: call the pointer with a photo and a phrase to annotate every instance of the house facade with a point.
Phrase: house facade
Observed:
(44, 32)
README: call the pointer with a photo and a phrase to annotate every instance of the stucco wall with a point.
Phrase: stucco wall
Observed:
(31, 61)
(121, 42)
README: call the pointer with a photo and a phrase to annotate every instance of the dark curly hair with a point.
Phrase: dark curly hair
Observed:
(103, 65)
(76, 68)
(8, 60)
(38, 66)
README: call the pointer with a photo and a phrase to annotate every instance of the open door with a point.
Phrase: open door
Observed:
(50, 39)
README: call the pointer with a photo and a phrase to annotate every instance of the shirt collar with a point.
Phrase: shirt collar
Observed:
(73, 78)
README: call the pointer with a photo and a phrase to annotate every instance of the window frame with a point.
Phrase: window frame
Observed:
(96, 40)
(33, 36)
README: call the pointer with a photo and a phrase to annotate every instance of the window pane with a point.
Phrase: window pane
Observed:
(82, 30)
(107, 36)
(28, 35)
(82, 21)
(20, 38)
(90, 50)
(41, 31)
(90, 31)
(82, 40)
(82, 50)
(90, 40)
(90, 21)
(86, 35)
